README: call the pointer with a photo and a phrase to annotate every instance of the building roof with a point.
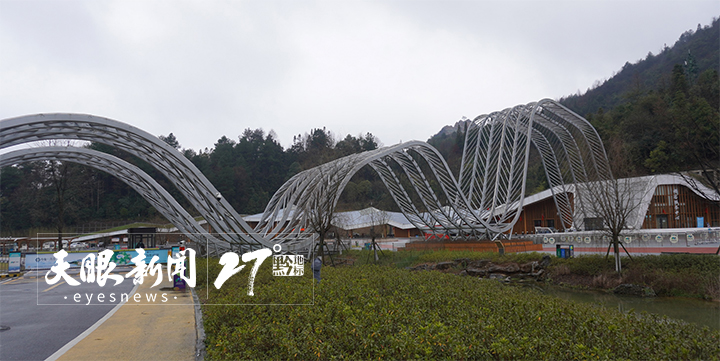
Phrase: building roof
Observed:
(369, 217)
(372, 216)
(354, 219)
(95, 236)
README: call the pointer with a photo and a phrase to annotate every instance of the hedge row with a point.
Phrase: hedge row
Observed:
(375, 312)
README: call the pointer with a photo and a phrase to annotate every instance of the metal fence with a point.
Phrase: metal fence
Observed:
(643, 238)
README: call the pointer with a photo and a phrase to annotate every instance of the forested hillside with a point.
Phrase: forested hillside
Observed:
(698, 51)
(657, 115)
(660, 114)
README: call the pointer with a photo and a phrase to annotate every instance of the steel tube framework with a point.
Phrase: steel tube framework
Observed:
(131, 175)
(484, 201)
(181, 173)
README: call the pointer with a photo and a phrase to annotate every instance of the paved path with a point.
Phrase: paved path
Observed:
(141, 330)
(37, 319)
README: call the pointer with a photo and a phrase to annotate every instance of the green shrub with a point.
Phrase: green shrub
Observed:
(371, 312)
(587, 265)
(669, 275)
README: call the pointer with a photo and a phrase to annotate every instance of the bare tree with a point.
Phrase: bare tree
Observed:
(378, 220)
(320, 207)
(58, 173)
(706, 183)
(59, 176)
(614, 204)
(339, 221)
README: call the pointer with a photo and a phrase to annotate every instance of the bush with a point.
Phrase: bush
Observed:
(404, 259)
(370, 312)
(669, 275)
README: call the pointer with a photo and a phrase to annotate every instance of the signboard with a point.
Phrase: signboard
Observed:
(39, 260)
(124, 257)
(700, 222)
(14, 262)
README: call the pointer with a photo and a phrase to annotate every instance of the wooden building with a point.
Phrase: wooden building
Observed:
(674, 203)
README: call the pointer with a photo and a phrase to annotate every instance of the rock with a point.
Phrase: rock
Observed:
(545, 261)
(422, 267)
(512, 268)
(462, 262)
(497, 276)
(507, 269)
(634, 290)
(539, 275)
(491, 268)
(476, 272)
(444, 265)
(526, 267)
(479, 263)
(463, 273)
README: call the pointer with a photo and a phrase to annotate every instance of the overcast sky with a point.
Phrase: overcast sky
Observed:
(398, 69)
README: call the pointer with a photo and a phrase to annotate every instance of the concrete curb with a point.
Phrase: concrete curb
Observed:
(10, 275)
(199, 329)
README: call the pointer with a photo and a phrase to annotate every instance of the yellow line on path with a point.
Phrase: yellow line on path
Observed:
(51, 287)
(13, 281)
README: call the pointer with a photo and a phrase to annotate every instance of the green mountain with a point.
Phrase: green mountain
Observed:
(698, 51)
(657, 115)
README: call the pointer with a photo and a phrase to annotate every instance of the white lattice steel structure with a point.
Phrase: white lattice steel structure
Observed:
(179, 170)
(130, 174)
(482, 202)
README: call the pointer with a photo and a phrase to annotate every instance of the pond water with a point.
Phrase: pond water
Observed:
(699, 312)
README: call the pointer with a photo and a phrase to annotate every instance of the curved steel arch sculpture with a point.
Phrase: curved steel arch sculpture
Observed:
(318, 190)
(179, 170)
(489, 192)
(131, 175)
(484, 201)
(570, 149)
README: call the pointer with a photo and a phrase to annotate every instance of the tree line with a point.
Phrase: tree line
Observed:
(247, 172)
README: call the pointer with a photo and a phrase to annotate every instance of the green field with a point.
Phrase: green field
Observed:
(386, 312)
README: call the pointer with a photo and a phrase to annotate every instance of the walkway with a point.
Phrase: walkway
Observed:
(140, 330)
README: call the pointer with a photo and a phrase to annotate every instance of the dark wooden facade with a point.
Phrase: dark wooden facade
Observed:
(672, 206)
(676, 206)
(539, 214)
